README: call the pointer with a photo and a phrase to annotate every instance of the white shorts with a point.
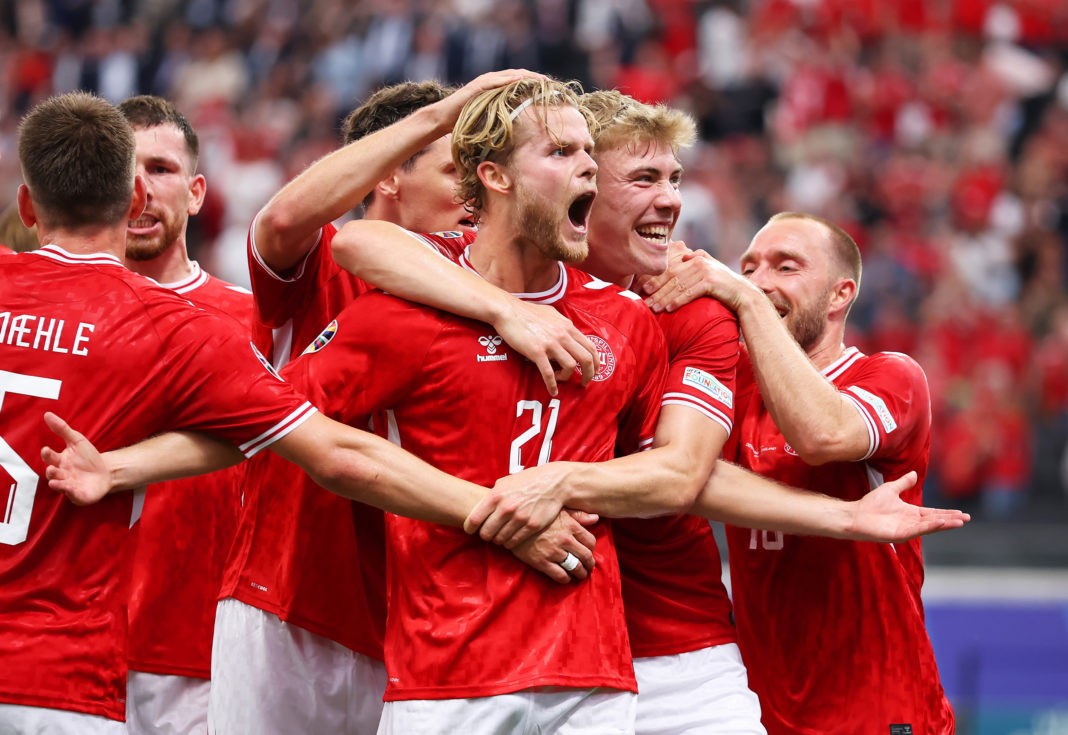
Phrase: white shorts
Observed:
(549, 710)
(18, 720)
(705, 691)
(157, 704)
(268, 676)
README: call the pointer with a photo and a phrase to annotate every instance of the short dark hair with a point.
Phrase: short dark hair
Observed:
(149, 111)
(76, 151)
(389, 105)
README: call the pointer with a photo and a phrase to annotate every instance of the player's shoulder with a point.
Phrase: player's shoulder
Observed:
(587, 288)
(888, 367)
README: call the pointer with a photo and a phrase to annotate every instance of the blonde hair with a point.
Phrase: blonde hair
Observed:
(485, 129)
(621, 120)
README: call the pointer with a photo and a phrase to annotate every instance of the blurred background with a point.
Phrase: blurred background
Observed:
(935, 131)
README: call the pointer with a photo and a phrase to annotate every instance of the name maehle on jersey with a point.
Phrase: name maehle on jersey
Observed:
(35, 332)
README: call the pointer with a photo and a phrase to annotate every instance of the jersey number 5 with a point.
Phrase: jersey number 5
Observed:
(515, 459)
(15, 523)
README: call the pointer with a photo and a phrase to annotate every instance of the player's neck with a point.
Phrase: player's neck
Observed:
(828, 349)
(170, 266)
(511, 263)
(83, 241)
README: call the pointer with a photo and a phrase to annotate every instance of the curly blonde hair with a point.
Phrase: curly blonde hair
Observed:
(622, 120)
(485, 128)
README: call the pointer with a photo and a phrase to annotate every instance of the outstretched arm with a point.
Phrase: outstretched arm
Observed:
(739, 497)
(352, 463)
(392, 259)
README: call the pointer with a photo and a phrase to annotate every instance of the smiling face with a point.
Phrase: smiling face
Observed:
(174, 192)
(426, 192)
(637, 206)
(553, 173)
(791, 261)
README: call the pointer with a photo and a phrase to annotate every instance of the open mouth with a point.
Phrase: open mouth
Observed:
(144, 222)
(657, 234)
(579, 211)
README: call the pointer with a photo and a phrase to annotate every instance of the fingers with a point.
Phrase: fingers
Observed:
(582, 517)
(61, 428)
(548, 375)
(480, 513)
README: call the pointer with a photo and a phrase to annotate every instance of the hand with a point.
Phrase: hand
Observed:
(547, 338)
(692, 275)
(566, 534)
(455, 102)
(79, 471)
(520, 505)
(881, 515)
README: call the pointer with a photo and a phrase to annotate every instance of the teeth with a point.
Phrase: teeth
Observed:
(657, 232)
(142, 222)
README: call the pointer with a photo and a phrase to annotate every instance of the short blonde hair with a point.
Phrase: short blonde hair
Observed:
(485, 128)
(622, 120)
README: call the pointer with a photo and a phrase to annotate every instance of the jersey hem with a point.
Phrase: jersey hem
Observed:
(673, 649)
(163, 669)
(112, 711)
(311, 626)
(626, 684)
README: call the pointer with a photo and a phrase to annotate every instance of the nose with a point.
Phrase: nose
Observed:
(589, 166)
(668, 197)
(760, 277)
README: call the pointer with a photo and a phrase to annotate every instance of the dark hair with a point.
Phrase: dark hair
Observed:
(149, 111)
(76, 151)
(389, 105)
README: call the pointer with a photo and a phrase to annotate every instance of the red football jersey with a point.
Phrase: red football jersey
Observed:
(292, 309)
(832, 632)
(673, 590)
(312, 558)
(121, 359)
(184, 534)
(466, 618)
(4, 250)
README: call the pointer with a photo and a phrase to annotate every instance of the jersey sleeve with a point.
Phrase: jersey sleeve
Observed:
(637, 424)
(891, 393)
(218, 383)
(702, 340)
(367, 359)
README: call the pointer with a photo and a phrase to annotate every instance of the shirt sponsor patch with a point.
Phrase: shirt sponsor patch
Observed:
(606, 357)
(491, 343)
(878, 405)
(323, 339)
(707, 384)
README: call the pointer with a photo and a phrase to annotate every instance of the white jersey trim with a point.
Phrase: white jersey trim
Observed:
(707, 409)
(549, 296)
(874, 438)
(298, 273)
(279, 430)
(843, 363)
(189, 283)
(58, 254)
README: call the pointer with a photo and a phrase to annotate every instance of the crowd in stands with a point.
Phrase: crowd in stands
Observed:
(935, 132)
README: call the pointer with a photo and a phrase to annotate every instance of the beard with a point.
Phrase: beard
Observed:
(141, 248)
(541, 225)
(807, 324)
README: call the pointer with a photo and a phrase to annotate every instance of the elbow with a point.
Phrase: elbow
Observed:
(817, 449)
(685, 489)
(345, 473)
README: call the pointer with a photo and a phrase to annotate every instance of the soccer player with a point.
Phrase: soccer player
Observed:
(186, 526)
(82, 335)
(815, 413)
(281, 600)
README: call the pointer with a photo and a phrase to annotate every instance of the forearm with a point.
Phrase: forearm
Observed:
(386, 256)
(367, 468)
(641, 485)
(741, 498)
(809, 411)
(337, 183)
(168, 456)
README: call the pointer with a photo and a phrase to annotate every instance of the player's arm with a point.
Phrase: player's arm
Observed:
(352, 463)
(820, 423)
(392, 259)
(739, 497)
(287, 227)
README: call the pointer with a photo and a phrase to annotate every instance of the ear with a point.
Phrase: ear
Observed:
(198, 187)
(842, 295)
(25, 205)
(139, 197)
(495, 177)
(389, 187)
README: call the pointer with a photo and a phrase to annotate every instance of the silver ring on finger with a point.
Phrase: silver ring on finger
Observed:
(570, 562)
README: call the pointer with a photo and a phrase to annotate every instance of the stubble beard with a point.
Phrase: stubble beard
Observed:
(539, 224)
(141, 249)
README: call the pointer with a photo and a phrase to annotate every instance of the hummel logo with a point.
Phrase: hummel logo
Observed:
(490, 343)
